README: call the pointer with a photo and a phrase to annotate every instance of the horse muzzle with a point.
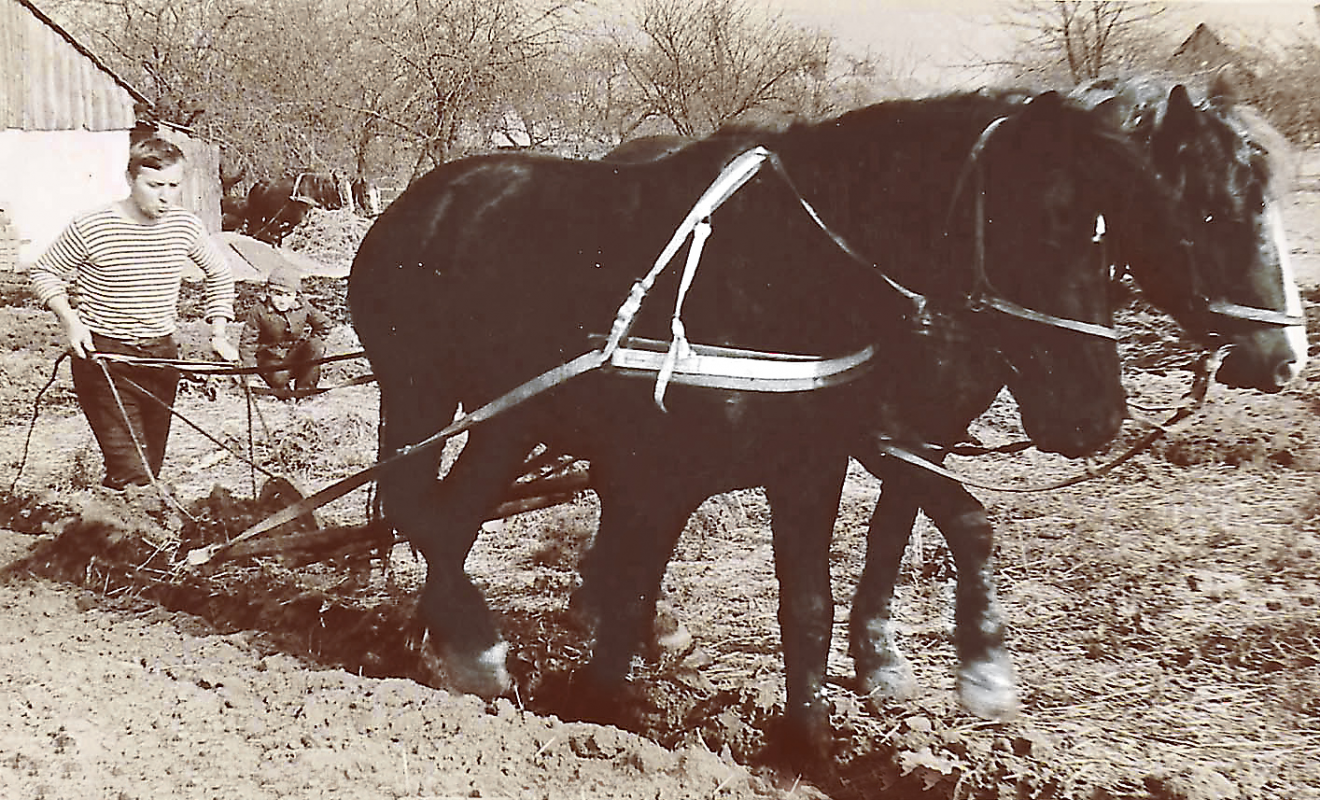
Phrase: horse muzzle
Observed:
(1266, 360)
(1074, 435)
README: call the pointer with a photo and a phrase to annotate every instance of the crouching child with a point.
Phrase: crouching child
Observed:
(285, 332)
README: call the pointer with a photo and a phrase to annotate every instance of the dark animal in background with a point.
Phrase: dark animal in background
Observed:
(233, 209)
(452, 307)
(233, 213)
(274, 208)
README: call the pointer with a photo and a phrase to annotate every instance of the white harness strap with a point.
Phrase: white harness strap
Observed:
(736, 369)
(697, 223)
(730, 180)
(678, 347)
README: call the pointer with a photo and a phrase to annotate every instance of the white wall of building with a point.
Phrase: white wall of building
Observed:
(46, 177)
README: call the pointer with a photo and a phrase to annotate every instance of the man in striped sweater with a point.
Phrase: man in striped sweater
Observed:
(123, 265)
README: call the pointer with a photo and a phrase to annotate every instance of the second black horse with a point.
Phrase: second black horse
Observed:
(1219, 159)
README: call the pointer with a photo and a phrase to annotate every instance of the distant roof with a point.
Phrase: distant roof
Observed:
(1203, 39)
(1205, 51)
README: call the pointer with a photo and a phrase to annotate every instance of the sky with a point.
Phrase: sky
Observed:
(935, 40)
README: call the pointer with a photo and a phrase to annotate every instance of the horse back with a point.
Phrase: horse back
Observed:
(534, 253)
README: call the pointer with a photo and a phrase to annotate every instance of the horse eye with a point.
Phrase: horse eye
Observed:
(1209, 217)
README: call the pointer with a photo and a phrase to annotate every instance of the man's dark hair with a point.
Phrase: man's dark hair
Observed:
(152, 152)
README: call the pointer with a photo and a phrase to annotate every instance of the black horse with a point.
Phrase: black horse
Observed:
(1220, 170)
(494, 269)
(1215, 156)
(274, 208)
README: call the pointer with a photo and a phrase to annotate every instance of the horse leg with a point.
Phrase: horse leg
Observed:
(986, 683)
(882, 669)
(640, 523)
(803, 510)
(442, 518)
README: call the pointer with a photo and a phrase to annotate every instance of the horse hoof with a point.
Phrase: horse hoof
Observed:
(808, 738)
(671, 636)
(893, 681)
(989, 690)
(484, 675)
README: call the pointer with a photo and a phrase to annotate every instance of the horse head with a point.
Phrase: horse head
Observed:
(1219, 159)
(1024, 210)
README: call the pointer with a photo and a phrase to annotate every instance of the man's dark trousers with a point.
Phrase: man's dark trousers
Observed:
(149, 417)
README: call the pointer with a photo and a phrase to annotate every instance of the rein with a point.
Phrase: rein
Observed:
(32, 423)
(219, 368)
(547, 380)
(1193, 400)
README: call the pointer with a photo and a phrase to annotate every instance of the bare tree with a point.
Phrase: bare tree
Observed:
(699, 64)
(1284, 89)
(1080, 40)
(391, 88)
(457, 68)
(257, 76)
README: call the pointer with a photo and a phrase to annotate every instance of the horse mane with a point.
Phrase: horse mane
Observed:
(1108, 161)
(1281, 158)
(1270, 153)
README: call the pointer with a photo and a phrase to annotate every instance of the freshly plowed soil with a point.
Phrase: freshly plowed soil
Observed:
(1163, 618)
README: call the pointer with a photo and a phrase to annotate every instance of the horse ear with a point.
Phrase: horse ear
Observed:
(1112, 112)
(1046, 102)
(1046, 105)
(1179, 110)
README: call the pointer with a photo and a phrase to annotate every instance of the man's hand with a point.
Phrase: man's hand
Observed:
(224, 349)
(220, 342)
(78, 334)
(80, 339)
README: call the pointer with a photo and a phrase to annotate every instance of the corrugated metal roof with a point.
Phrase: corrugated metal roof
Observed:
(48, 81)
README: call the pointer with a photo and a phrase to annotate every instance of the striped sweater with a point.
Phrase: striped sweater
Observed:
(126, 275)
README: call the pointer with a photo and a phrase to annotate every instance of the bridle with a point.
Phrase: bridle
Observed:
(982, 295)
(1227, 309)
(1263, 316)
(1222, 307)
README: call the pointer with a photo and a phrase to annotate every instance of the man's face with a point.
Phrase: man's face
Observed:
(155, 191)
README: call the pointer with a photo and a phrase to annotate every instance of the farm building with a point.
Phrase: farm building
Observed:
(1204, 52)
(65, 125)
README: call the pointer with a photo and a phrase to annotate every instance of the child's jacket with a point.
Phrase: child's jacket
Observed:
(269, 332)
